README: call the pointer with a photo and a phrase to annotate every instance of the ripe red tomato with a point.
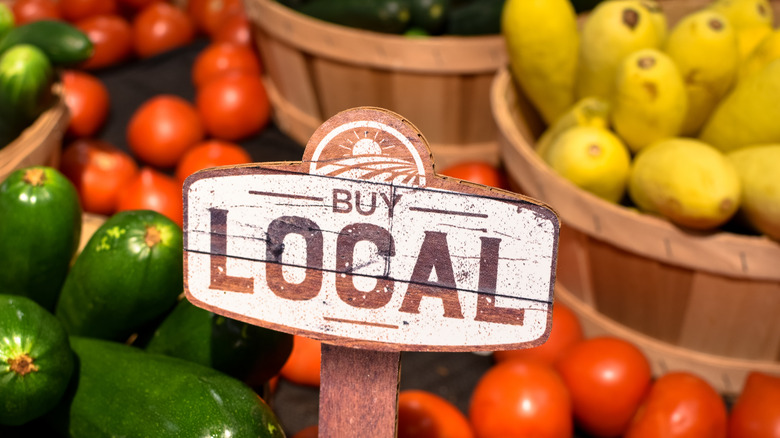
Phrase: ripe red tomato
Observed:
(235, 29)
(208, 15)
(160, 27)
(566, 332)
(111, 37)
(520, 398)
(219, 58)
(233, 106)
(303, 365)
(100, 171)
(608, 378)
(422, 414)
(680, 405)
(478, 172)
(210, 153)
(153, 190)
(756, 413)
(273, 384)
(307, 432)
(75, 10)
(26, 11)
(87, 100)
(162, 129)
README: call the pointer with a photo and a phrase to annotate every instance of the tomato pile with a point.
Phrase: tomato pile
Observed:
(168, 137)
(573, 386)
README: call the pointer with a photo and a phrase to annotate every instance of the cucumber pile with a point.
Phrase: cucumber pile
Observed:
(408, 17)
(100, 343)
(30, 55)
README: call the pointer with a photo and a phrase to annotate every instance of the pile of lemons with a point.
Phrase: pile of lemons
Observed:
(680, 120)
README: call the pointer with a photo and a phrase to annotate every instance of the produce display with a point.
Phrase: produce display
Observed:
(653, 114)
(100, 342)
(97, 341)
(177, 367)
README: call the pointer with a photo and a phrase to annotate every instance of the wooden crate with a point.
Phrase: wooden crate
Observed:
(703, 301)
(41, 142)
(441, 84)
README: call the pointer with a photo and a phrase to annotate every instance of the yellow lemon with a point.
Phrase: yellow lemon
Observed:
(592, 158)
(650, 100)
(687, 181)
(758, 168)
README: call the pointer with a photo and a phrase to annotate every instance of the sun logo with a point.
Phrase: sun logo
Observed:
(368, 150)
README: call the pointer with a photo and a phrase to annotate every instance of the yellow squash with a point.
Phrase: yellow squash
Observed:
(542, 42)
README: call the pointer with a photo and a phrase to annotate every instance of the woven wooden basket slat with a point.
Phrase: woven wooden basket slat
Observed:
(41, 142)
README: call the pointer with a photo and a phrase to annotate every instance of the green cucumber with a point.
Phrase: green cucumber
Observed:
(63, 43)
(128, 274)
(124, 391)
(36, 362)
(40, 228)
(481, 17)
(387, 16)
(26, 78)
(430, 15)
(236, 348)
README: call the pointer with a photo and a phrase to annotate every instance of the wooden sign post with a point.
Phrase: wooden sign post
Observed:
(362, 246)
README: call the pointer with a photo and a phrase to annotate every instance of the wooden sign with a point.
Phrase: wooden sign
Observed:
(362, 245)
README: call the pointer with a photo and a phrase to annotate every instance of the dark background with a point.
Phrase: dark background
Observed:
(450, 375)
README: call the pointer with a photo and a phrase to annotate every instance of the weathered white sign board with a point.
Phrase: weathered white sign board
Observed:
(361, 244)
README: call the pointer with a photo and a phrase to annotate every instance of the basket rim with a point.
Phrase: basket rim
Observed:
(718, 252)
(434, 55)
(54, 119)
